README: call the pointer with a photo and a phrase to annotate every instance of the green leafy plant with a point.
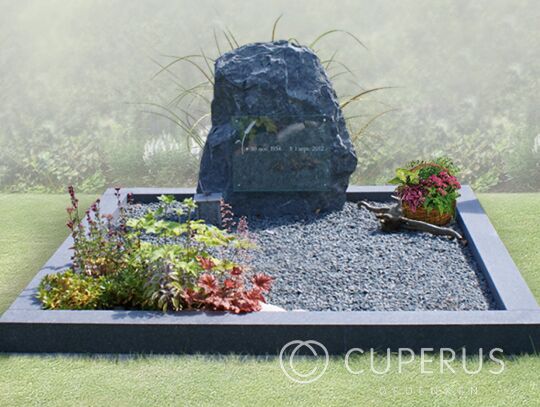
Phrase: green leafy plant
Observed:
(186, 265)
(76, 291)
(54, 159)
(177, 269)
(71, 290)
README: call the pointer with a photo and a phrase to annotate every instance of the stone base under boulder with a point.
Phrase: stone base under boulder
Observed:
(276, 204)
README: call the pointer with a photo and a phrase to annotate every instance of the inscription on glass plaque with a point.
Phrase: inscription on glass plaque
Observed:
(272, 157)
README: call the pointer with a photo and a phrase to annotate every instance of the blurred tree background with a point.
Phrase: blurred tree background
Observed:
(74, 77)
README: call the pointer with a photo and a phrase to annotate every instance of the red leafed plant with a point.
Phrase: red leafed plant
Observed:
(229, 293)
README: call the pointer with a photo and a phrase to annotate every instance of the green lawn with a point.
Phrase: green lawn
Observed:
(32, 226)
(517, 220)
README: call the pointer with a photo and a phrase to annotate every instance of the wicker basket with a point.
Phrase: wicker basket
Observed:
(433, 216)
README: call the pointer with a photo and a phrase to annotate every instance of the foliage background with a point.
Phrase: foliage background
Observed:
(73, 75)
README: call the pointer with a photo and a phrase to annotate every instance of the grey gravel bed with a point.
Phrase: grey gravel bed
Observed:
(341, 262)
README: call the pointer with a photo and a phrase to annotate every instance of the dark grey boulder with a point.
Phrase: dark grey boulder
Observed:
(278, 143)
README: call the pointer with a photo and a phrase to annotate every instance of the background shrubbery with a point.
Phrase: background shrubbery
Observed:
(73, 75)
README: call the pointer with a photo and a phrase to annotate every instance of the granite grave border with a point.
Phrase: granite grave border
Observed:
(514, 327)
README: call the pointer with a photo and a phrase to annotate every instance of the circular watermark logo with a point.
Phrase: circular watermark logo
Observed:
(286, 361)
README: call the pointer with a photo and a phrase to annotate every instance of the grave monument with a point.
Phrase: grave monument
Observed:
(278, 143)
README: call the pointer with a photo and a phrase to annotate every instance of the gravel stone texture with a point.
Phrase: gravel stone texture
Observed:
(341, 261)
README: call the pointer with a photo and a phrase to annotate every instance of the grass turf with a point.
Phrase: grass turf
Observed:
(32, 226)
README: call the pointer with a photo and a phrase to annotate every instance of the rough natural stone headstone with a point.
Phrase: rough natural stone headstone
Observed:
(278, 143)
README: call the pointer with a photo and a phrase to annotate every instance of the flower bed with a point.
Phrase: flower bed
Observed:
(189, 265)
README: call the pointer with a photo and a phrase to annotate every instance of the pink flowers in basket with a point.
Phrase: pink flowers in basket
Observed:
(429, 185)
